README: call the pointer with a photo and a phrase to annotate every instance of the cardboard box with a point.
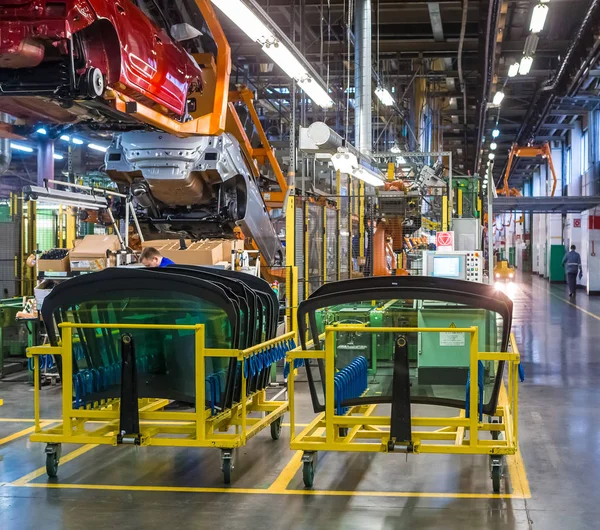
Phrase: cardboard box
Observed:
(203, 252)
(54, 265)
(229, 245)
(90, 253)
(42, 290)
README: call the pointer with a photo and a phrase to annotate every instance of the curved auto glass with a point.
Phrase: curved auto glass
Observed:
(438, 361)
(166, 362)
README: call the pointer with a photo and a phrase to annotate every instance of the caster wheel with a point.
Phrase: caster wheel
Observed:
(52, 460)
(227, 469)
(276, 428)
(93, 83)
(496, 477)
(308, 474)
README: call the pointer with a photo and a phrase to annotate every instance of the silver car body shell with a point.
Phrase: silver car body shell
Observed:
(184, 172)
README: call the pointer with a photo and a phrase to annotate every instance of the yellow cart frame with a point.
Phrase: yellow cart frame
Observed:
(99, 423)
(360, 430)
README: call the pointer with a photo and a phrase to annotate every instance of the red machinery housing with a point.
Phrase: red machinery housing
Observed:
(73, 49)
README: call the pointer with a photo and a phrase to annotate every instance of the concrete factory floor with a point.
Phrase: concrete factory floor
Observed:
(552, 484)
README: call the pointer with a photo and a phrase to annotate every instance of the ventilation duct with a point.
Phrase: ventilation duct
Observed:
(5, 152)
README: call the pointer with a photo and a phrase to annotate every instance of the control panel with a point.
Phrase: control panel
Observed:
(459, 265)
(474, 266)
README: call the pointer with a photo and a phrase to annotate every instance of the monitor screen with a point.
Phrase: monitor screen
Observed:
(446, 266)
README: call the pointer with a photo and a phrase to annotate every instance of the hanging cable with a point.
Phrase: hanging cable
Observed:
(461, 80)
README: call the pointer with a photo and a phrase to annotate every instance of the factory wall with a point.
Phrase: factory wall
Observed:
(576, 164)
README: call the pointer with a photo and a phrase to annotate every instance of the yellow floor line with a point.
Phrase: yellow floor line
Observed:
(248, 491)
(593, 315)
(289, 471)
(518, 476)
(23, 481)
(22, 433)
(20, 420)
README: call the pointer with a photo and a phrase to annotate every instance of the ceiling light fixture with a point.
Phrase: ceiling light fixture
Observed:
(531, 43)
(346, 162)
(41, 130)
(77, 141)
(498, 97)
(97, 147)
(21, 147)
(525, 65)
(491, 156)
(495, 133)
(384, 96)
(65, 138)
(538, 18)
(287, 59)
(316, 92)
(513, 69)
(58, 156)
(493, 146)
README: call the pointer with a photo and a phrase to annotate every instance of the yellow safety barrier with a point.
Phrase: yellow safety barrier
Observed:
(361, 430)
(229, 429)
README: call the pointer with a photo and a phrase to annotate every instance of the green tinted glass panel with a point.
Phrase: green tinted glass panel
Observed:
(164, 358)
(438, 361)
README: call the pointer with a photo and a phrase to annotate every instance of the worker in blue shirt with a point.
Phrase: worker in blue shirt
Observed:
(151, 257)
(572, 264)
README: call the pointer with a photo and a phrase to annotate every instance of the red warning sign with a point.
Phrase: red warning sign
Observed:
(576, 223)
(444, 241)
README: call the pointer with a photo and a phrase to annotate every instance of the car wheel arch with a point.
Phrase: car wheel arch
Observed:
(104, 33)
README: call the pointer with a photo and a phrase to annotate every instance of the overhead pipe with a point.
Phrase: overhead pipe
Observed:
(461, 79)
(553, 85)
(362, 77)
(5, 151)
(488, 69)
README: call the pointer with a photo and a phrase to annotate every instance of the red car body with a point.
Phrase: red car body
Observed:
(39, 39)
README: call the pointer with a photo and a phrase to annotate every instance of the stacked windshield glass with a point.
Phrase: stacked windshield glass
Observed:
(237, 310)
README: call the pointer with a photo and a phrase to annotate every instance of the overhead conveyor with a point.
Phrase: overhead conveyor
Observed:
(130, 341)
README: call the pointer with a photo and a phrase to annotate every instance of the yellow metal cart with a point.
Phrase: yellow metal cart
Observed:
(360, 429)
(99, 422)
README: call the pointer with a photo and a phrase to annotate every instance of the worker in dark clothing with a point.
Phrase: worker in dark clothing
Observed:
(153, 258)
(572, 264)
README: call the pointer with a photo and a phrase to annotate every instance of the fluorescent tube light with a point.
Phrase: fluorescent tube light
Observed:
(538, 18)
(498, 97)
(531, 43)
(97, 147)
(345, 163)
(41, 130)
(21, 147)
(58, 157)
(317, 93)
(245, 19)
(384, 96)
(368, 177)
(513, 69)
(65, 138)
(286, 61)
(251, 25)
(525, 65)
(77, 141)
